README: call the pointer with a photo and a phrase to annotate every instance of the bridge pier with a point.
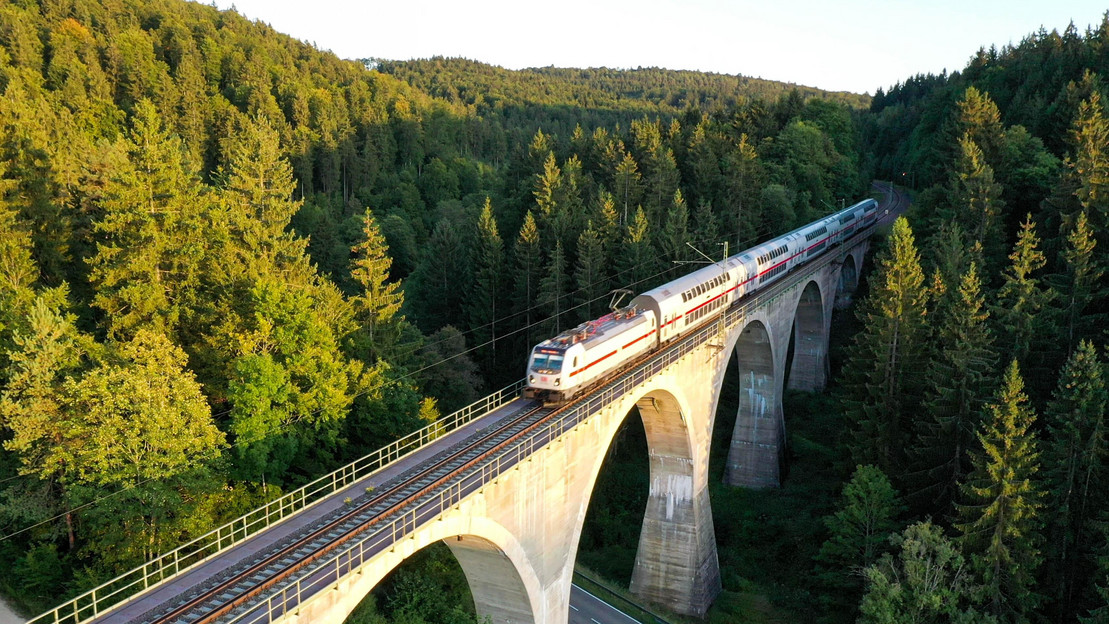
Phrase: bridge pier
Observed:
(676, 564)
(499, 593)
(759, 428)
(809, 371)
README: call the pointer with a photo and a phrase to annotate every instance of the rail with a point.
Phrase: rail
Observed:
(330, 572)
(102, 598)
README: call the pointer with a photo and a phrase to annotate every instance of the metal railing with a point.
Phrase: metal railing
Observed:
(330, 572)
(102, 598)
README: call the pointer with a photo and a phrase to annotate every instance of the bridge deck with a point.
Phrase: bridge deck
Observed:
(161, 595)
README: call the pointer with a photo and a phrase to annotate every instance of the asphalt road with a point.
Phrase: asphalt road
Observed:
(585, 608)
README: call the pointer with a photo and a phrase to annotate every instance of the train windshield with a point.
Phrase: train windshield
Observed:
(546, 363)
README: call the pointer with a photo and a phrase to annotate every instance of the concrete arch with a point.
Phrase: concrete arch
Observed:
(809, 370)
(502, 580)
(848, 281)
(676, 561)
(758, 425)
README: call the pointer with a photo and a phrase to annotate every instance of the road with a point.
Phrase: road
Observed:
(585, 608)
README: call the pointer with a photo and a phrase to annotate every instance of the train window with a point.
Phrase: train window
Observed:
(544, 362)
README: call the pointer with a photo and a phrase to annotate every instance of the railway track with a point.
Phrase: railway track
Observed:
(250, 578)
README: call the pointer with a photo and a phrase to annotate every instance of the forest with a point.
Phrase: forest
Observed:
(230, 263)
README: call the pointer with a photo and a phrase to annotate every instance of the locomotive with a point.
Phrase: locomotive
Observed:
(563, 366)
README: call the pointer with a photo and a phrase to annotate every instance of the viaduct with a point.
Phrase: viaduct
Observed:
(513, 520)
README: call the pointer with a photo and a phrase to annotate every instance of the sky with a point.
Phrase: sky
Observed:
(838, 45)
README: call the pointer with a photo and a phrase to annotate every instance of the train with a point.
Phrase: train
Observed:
(563, 366)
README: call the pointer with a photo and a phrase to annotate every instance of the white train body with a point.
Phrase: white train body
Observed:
(561, 367)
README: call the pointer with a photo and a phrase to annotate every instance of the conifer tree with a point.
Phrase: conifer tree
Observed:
(1100, 613)
(955, 393)
(487, 262)
(258, 185)
(529, 263)
(627, 186)
(980, 121)
(742, 219)
(608, 223)
(705, 230)
(999, 518)
(553, 289)
(440, 280)
(18, 275)
(950, 253)
(675, 233)
(590, 275)
(860, 531)
(976, 202)
(1075, 458)
(548, 189)
(377, 306)
(1078, 285)
(881, 391)
(1020, 298)
(1090, 166)
(148, 267)
(638, 261)
(704, 165)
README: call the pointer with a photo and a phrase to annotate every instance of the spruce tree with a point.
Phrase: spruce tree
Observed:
(440, 281)
(860, 530)
(529, 264)
(675, 233)
(1090, 165)
(705, 230)
(955, 395)
(487, 259)
(976, 202)
(882, 390)
(1075, 460)
(258, 187)
(1100, 613)
(18, 275)
(608, 223)
(980, 120)
(148, 267)
(999, 517)
(553, 289)
(638, 261)
(377, 306)
(590, 275)
(627, 186)
(1078, 286)
(1020, 299)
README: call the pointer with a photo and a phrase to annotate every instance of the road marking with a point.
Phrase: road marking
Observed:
(595, 620)
(630, 618)
(573, 607)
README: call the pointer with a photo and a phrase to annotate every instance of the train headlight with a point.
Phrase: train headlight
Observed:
(531, 379)
(558, 382)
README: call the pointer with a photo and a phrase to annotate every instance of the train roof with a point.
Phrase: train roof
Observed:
(681, 284)
(597, 330)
